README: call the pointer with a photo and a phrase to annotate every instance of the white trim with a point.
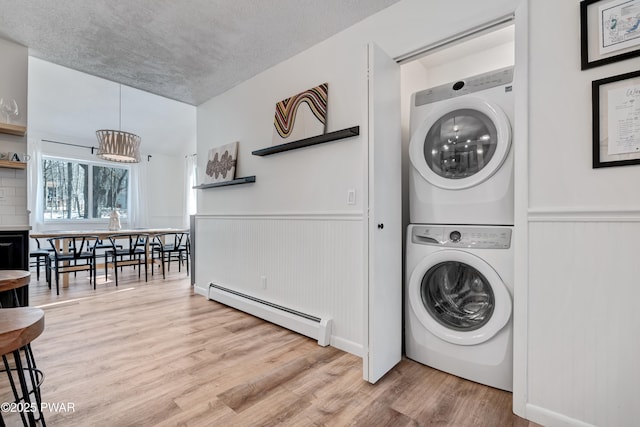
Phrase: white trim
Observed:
(200, 291)
(549, 418)
(346, 345)
(570, 214)
(521, 204)
(301, 216)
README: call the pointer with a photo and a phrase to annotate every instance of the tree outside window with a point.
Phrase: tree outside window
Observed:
(82, 190)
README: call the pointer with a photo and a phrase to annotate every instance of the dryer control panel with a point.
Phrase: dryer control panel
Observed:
(462, 236)
(501, 77)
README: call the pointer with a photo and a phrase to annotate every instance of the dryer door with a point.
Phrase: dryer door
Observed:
(462, 143)
(458, 297)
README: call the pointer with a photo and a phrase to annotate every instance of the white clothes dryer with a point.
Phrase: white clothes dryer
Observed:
(458, 301)
(461, 152)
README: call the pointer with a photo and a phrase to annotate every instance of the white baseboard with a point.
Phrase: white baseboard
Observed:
(201, 291)
(549, 418)
(348, 346)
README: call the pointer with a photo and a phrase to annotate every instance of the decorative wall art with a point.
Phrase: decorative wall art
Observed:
(221, 163)
(616, 120)
(301, 116)
(609, 31)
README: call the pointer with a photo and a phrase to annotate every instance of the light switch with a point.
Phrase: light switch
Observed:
(351, 197)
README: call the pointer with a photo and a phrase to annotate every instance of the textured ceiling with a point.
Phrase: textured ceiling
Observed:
(189, 50)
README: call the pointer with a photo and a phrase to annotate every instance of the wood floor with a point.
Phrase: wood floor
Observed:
(156, 354)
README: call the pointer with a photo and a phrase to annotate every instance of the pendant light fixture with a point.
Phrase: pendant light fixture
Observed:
(117, 145)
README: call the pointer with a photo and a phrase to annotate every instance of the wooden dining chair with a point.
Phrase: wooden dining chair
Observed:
(133, 252)
(71, 254)
(168, 246)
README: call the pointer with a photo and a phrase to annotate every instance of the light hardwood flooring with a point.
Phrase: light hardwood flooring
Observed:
(156, 354)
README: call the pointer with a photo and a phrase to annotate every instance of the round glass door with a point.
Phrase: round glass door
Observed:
(460, 144)
(458, 296)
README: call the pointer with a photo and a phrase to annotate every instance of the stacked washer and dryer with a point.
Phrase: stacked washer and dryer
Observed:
(459, 258)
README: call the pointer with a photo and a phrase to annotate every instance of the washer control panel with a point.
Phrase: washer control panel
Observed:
(503, 76)
(462, 236)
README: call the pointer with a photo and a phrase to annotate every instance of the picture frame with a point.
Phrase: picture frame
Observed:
(221, 163)
(301, 116)
(616, 120)
(609, 31)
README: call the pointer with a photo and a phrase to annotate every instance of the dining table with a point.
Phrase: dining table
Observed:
(104, 234)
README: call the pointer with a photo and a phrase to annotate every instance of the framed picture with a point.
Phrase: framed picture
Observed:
(301, 116)
(221, 163)
(616, 120)
(609, 31)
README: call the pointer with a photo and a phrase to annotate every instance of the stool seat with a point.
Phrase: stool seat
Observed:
(13, 279)
(19, 326)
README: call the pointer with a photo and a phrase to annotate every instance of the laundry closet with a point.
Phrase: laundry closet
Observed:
(458, 205)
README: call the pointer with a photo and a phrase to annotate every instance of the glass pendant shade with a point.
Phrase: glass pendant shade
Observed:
(118, 146)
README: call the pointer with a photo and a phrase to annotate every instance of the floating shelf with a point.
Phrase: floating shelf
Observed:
(243, 180)
(12, 129)
(320, 139)
(12, 165)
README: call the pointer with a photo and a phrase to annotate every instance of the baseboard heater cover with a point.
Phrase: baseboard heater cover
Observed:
(303, 323)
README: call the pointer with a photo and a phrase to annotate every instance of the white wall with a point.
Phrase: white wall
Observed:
(13, 182)
(314, 181)
(580, 281)
(69, 106)
(166, 191)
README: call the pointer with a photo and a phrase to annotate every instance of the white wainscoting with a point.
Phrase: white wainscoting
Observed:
(312, 263)
(584, 317)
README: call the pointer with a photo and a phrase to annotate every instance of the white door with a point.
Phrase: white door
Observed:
(384, 304)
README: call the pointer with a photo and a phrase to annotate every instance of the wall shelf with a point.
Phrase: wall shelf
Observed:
(12, 165)
(243, 180)
(13, 129)
(320, 139)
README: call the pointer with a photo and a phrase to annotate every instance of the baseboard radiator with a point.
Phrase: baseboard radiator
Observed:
(302, 323)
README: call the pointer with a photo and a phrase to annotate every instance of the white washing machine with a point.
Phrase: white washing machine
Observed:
(461, 152)
(458, 301)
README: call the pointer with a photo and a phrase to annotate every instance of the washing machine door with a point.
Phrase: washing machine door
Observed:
(459, 297)
(462, 143)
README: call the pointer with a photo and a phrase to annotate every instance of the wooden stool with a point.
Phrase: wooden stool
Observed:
(18, 327)
(11, 281)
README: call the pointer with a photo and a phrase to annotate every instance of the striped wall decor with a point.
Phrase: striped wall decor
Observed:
(301, 116)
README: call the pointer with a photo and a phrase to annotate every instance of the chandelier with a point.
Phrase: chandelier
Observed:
(117, 145)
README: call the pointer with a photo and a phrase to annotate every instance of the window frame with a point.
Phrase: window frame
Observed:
(90, 163)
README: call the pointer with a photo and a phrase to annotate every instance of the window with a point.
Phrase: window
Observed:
(83, 190)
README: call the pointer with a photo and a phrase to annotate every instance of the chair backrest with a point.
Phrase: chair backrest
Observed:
(170, 241)
(74, 246)
(136, 241)
(37, 251)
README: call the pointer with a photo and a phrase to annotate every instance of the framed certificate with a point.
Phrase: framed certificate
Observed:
(609, 31)
(616, 120)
